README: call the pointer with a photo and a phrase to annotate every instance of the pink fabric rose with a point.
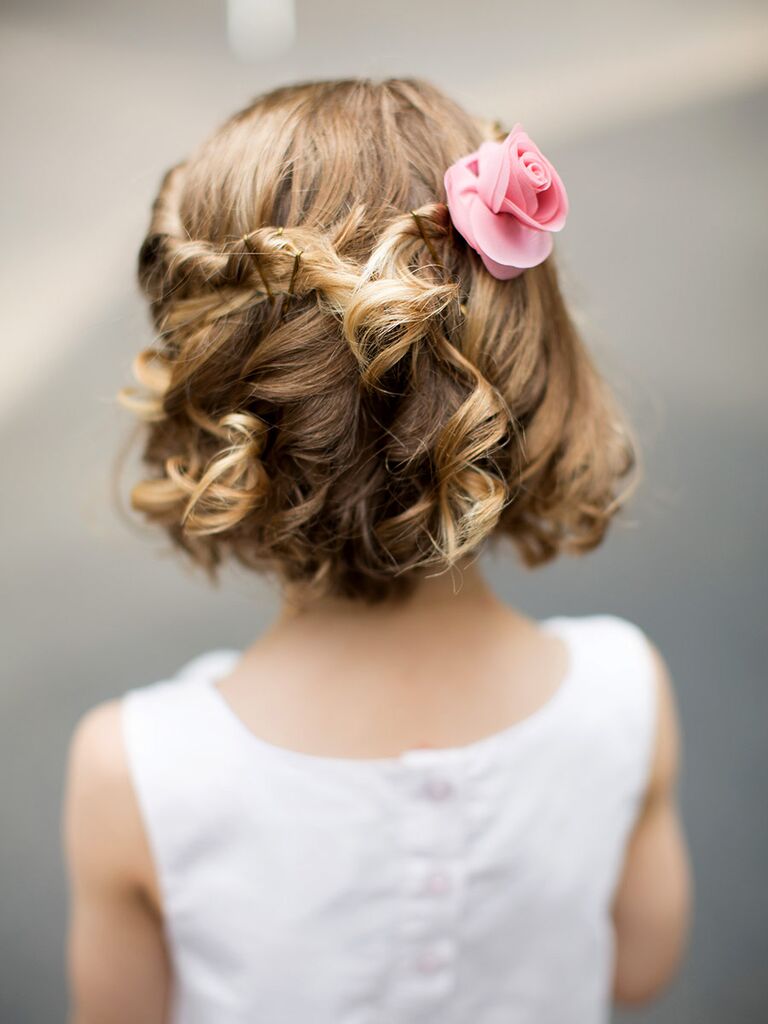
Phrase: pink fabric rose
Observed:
(505, 199)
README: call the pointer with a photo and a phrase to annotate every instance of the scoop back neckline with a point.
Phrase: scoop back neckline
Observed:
(208, 677)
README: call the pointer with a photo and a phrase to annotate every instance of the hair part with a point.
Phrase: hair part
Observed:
(339, 393)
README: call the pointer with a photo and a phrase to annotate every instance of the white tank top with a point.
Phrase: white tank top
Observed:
(461, 885)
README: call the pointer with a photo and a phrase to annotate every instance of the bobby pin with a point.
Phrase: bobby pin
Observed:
(296, 261)
(426, 240)
(433, 254)
(257, 261)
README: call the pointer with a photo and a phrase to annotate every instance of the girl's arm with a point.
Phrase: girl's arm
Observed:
(117, 961)
(653, 901)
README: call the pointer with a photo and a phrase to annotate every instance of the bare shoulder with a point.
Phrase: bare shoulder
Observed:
(96, 752)
(102, 823)
(97, 769)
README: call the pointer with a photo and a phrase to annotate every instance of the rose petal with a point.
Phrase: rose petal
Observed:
(461, 191)
(492, 174)
(505, 240)
(520, 147)
(552, 208)
(553, 218)
(499, 271)
(513, 210)
(549, 204)
(520, 190)
(536, 171)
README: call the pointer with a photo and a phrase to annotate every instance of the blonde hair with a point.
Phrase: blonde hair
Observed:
(339, 392)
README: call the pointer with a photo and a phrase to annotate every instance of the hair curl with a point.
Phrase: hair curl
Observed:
(339, 392)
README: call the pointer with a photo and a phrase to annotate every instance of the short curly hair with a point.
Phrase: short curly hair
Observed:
(339, 394)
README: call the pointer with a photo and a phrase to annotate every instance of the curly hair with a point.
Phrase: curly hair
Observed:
(339, 393)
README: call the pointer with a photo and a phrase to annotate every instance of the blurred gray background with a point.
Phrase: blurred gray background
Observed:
(655, 115)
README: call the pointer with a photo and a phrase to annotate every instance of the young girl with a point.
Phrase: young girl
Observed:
(406, 801)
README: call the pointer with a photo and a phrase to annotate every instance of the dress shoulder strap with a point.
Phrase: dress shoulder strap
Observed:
(619, 690)
(178, 764)
(168, 718)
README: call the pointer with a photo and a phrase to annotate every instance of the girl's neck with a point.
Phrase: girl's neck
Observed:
(438, 601)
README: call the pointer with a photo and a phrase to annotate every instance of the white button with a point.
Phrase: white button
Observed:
(429, 960)
(437, 883)
(438, 788)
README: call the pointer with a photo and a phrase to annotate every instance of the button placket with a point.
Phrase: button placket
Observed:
(434, 836)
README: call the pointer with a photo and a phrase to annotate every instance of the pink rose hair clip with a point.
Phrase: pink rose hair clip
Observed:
(506, 199)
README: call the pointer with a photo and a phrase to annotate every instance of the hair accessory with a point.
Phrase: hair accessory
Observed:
(289, 295)
(426, 240)
(438, 263)
(257, 261)
(296, 261)
(506, 199)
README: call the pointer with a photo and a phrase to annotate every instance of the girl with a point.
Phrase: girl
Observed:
(406, 801)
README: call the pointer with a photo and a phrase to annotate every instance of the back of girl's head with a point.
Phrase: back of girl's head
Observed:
(340, 393)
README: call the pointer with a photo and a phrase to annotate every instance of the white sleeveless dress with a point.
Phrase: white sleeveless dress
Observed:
(462, 885)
